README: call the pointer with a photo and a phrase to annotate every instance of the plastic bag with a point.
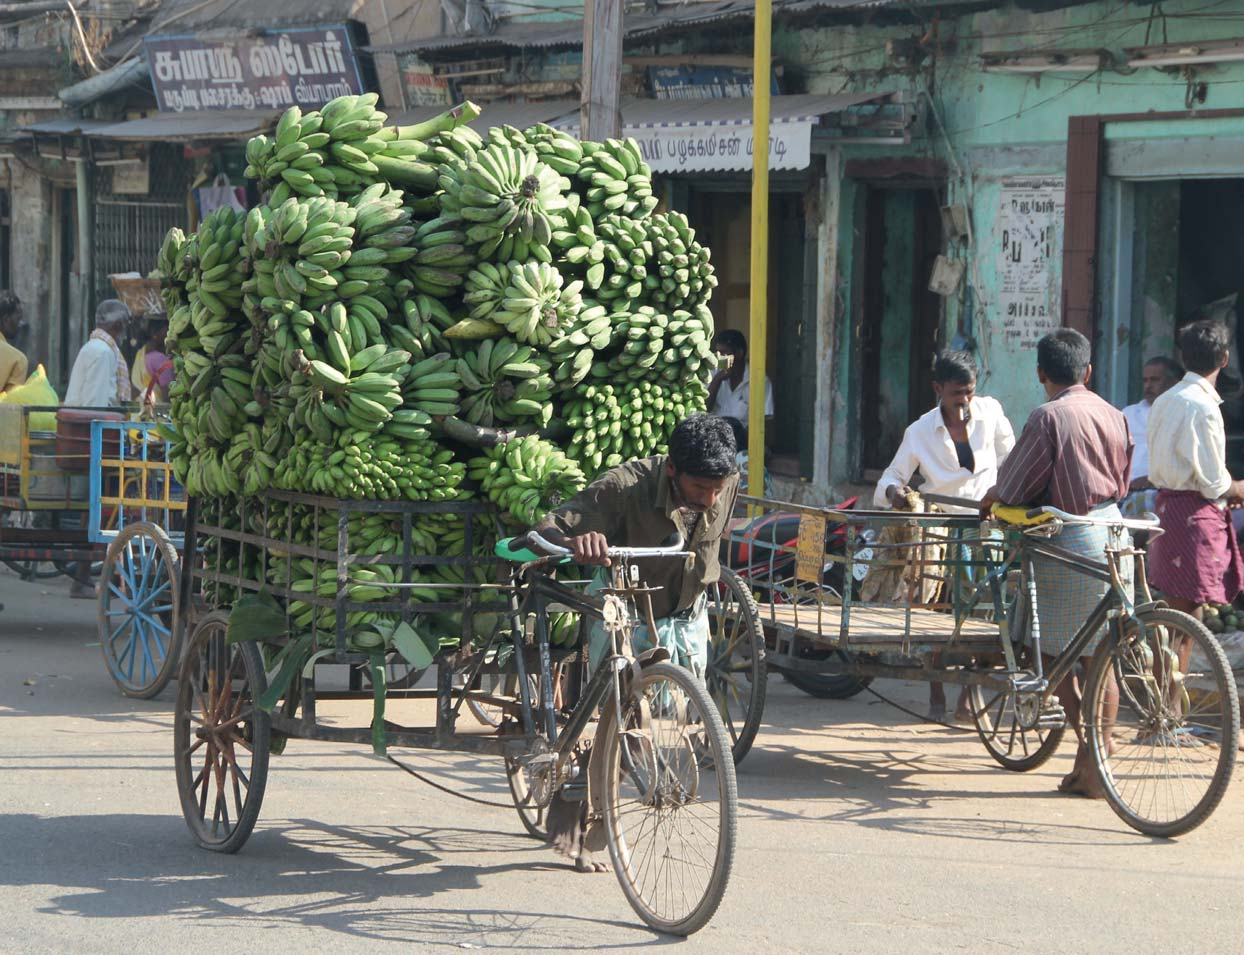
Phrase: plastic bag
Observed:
(37, 391)
(220, 193)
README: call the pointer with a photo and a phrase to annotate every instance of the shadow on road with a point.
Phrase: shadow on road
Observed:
(360, 881)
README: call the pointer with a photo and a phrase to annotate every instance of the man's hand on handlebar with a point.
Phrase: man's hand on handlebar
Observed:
(589, 548)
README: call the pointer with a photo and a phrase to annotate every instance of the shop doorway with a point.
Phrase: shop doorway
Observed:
(899, 318)
(1188, 243)
(722, 220)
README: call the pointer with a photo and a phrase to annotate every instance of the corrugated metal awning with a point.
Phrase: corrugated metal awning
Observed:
(706, 135)
(519, 115)
(63, 126)
(183, 127)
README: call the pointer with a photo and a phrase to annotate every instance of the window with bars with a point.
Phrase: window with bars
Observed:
(129, 228)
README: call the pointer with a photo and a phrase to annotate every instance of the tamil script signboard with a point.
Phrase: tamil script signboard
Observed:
(304, 66)
(706, 147)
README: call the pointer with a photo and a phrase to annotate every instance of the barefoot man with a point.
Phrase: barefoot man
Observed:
(1074, 454)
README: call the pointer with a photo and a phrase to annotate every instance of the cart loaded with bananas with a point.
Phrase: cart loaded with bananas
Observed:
(422, 341)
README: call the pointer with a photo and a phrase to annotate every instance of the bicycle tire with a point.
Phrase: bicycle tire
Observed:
(667, 774)
(1004, 736)
(1169, 726)
(744, 642)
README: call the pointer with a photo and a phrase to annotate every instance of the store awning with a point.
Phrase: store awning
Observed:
(518, 115)
(715, 135)
(184, 127)
(63, 126)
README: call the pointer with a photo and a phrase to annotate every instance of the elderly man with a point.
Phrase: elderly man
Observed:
(100, 376)
(1074, 454)
(1158, 375)
(12, 361)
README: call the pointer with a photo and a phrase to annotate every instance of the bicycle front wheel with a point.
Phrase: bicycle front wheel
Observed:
(1162, 734)
(671, 803)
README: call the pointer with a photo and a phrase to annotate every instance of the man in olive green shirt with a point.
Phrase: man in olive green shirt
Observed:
(689, 491)
(12, 361)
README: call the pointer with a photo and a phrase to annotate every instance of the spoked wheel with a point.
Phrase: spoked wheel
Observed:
(671, 806)
(1162, 733)
(1008, 726)
(737, 676)
(138, 610)
(828, 686)
(526, 786)
(221, 736)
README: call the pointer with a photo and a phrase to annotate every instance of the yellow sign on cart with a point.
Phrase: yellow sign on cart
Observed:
(810, 550)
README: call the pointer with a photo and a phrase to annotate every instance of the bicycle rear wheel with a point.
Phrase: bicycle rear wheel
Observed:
(1164, 752)
(671, 803)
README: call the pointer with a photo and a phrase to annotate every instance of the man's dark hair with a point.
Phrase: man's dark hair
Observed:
(703, 446)
(952, 367)
(739, 430)
(732, 339)
(1174, 370)
(155, 322)
(9, 304)
(1064, 355)
(1203, 345)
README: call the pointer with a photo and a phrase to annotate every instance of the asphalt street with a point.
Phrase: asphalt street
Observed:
(860, 831)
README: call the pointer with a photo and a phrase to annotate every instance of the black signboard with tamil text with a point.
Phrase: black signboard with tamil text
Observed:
(304, 66)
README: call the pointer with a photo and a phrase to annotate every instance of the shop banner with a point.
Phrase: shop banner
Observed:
(306, 66)
(1030, 240)
(721, 147)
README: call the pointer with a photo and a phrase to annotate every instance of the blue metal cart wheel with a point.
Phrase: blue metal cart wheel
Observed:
(139, 616)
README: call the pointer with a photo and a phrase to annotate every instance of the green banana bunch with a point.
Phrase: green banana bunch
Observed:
(611, 424)
(168, 265)
(558, 150)
(526, 478)
(507, 199)
(613, 177)
(683, 275)
(670, 348)
(423, 332)
(503, 381)
(535, 307)
(593, 330)
(441, 256)
(434, 385)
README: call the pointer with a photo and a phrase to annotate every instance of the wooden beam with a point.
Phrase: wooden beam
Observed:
(601, 100)
(692, 59)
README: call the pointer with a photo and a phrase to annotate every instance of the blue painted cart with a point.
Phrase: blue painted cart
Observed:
(137, 509)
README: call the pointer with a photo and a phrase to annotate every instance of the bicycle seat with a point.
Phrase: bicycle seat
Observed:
(1018, 515)
(521, 555)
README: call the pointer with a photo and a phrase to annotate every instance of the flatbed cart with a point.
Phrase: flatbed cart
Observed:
(949, 598)
(637, 742)
(44, 493)
(137, 511)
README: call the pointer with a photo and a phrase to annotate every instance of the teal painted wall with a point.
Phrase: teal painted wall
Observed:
(989, 126)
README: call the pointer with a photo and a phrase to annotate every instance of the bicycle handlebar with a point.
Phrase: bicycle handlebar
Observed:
(1150, 522)
(622, 553)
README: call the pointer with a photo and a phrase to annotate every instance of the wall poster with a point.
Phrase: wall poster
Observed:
(1030, 232)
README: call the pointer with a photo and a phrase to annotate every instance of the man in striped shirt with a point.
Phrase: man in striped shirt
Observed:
(1074, 454)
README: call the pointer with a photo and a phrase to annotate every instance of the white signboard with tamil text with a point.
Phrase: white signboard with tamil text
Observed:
(705, 148)
(1030, 237)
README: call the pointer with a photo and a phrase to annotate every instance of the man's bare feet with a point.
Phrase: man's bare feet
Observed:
(1079, 783)
(585, 863)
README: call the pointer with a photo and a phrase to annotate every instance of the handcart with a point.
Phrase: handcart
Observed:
(949, 598)
(137, 511)
(45, 490)
(637, 743)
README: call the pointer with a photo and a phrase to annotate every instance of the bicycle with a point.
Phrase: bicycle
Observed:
(1162, 741)
(660, 787)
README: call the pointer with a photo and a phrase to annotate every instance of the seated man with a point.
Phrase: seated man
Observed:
(689, 491)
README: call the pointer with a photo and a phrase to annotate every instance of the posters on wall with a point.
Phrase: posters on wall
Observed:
(1030, 232)
(275, 69)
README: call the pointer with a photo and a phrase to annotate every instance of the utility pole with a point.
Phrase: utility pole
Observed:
(758, 346)
(600, 103)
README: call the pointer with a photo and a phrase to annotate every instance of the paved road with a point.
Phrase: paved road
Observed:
(860, 832)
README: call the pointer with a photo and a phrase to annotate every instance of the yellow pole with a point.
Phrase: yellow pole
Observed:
(757, 349)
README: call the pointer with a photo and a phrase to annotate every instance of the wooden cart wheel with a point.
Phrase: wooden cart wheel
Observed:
(139, 610)
(737, 676)
(220, 736)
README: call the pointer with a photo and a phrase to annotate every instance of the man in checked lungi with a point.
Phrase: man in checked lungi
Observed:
(1074, 454)
(1197, 560)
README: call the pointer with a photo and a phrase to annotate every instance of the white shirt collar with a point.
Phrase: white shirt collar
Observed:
(1201, 381)
(939, 423)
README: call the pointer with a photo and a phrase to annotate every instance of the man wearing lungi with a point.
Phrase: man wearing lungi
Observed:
(1074, 454)
(1197, 560)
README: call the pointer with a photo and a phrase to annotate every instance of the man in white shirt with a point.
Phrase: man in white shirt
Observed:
(728, 392)
(100, 377)
(1197, 560)
(957, 447)
(1158, 376)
